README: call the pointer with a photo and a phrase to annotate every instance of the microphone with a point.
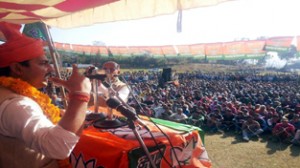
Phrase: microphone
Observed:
(100, 77)
(129, 113)
(92, 74)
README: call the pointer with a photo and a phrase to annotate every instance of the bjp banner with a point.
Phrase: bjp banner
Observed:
(198, 51)
(279, 44)
(87, 49)
(156, 51)
(255, 49)
(103, 51)
(214, 51)
(234, 50)
(67, 47)
(153, 51)
(63, 47)
(113, 50)
(135, 50)
(184, 50)
(169, 51)
(80, 49)
(123, 51)
(95, 50)
(59, 46)
(169, 145)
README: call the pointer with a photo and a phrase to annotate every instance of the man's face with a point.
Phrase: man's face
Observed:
(111, 69)
(37, 72)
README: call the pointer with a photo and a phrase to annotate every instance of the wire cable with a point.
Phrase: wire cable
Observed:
(149, 118)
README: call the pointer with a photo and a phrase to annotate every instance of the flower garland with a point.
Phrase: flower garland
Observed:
(23, 88)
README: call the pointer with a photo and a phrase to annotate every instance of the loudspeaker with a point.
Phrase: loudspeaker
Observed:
(167, 74)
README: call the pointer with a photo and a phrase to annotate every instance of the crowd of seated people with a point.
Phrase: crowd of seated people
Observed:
(249, 104)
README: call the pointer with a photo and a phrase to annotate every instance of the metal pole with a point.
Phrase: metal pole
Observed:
(95, 94)
(54, 56)
(139, 138)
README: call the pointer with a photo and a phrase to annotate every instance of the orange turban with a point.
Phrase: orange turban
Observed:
(18, 47)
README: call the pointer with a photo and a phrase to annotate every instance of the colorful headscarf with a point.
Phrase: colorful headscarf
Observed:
(18, 47)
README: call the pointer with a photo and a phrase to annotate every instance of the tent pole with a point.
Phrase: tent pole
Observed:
(54, 56)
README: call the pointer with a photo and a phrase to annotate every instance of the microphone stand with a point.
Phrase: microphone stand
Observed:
(95, 94)
(139, 138)
(110, 113)
(133, 96)
(132, 126)
(91, 117)
(110, 121)
(131, 119)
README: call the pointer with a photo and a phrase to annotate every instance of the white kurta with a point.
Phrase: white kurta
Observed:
(22, 120)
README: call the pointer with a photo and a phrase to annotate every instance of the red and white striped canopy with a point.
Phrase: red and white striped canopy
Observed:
(77, 13)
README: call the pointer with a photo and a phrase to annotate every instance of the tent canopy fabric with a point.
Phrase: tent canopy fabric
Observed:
(78, 13)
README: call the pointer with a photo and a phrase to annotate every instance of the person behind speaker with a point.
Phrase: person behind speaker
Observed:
(112, 86)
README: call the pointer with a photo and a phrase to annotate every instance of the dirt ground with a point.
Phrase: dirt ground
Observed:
(230, 151)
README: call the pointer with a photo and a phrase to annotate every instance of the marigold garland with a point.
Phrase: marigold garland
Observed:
(23, 88)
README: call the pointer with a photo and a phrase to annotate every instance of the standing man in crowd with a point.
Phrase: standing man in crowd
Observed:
(32, 132)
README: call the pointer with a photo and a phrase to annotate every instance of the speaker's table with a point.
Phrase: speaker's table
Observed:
(119, 148)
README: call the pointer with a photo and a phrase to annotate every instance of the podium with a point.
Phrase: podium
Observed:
(119, 148)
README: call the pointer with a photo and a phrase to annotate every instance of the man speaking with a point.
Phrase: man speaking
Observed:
(112, 86)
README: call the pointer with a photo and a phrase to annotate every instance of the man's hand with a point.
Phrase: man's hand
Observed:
(76, 83)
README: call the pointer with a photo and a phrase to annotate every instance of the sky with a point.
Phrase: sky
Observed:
(225, 22)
